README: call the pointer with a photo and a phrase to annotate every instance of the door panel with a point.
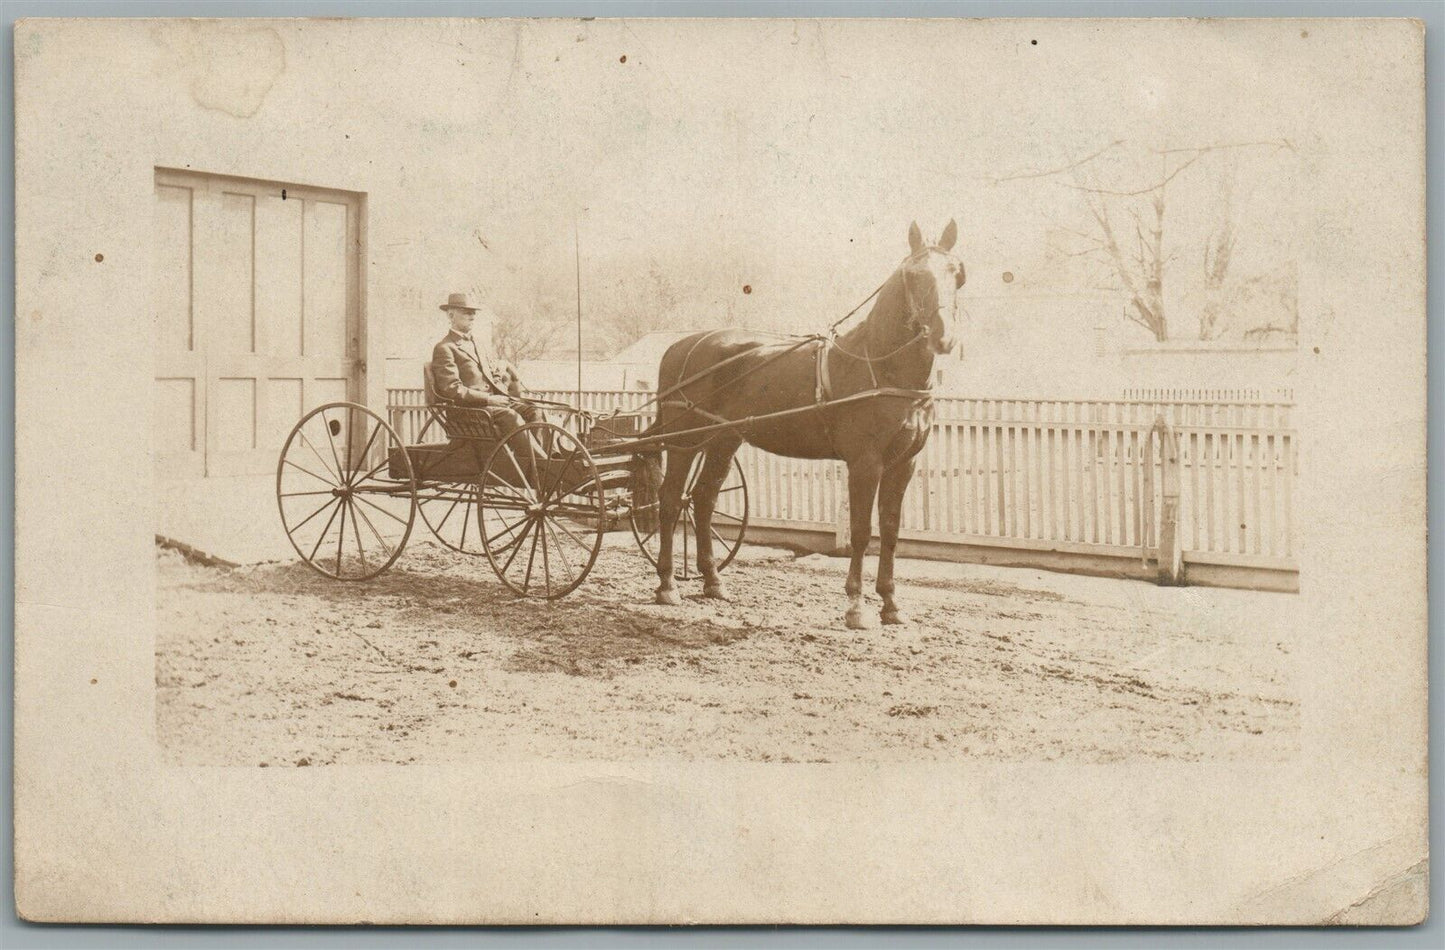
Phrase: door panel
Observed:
(283, 405)
(257, 315)
(278, 273)
(230, 248)
(178, 422)
(326, 275)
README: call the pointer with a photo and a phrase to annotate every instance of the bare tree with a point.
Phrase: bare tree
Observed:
(1138, 260)
(529, 327)
(635, 305)
(529, 336)
(1218, 251)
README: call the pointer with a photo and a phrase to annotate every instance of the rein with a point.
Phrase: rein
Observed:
(830, 339)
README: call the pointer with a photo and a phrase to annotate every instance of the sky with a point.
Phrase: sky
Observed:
(790, 156)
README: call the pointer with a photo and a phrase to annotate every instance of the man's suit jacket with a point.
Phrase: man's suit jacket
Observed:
(463, 375)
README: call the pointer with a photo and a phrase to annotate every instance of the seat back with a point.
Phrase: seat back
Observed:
(458, 422)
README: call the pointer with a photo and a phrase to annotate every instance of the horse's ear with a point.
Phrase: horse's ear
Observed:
(950, 235)
(915, 238)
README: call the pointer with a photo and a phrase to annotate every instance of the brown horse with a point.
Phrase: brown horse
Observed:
(730, 375)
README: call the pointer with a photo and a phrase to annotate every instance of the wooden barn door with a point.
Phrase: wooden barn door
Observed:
(258, 316)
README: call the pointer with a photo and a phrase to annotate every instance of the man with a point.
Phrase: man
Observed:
(466, 372)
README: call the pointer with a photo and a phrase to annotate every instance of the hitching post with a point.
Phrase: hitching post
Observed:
(1170, 553)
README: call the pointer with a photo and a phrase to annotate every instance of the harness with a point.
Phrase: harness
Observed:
(674, 396)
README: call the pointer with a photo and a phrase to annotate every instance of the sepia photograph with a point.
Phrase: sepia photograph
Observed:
(846, 446)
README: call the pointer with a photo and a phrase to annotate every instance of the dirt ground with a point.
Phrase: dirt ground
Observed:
(275, 666)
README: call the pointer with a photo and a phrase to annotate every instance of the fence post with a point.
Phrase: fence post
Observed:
(1170, 552)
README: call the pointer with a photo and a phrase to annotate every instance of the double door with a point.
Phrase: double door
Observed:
(257, 316)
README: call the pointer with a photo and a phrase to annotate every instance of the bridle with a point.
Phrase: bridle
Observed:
(917, 319)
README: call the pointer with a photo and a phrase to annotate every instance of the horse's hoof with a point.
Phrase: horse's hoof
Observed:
(855, 620)
(891, 617)
(715, 591)
(669, 597)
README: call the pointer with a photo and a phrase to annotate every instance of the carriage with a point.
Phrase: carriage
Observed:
(555, 487)
(536, 502)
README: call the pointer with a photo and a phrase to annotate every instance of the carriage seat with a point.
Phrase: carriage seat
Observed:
(470, 435)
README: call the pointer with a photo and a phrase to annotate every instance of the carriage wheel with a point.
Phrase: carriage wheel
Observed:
(543, 512)
(346, 491)
(729, 522)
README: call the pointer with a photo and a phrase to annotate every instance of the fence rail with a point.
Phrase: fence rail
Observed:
(1066, 476)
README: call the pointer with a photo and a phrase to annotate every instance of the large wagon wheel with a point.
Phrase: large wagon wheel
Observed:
(346, 491)
(448, 506)
(729, 522)
(543, 512)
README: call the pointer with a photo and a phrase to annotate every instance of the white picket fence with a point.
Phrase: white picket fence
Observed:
(1053, 476)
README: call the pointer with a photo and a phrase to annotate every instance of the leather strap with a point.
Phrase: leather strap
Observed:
(822, 386)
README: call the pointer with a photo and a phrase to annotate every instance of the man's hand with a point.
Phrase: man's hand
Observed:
(497, 402)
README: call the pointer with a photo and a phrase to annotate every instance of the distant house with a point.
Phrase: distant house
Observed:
(1026, 343)
(647, 349)
(633, 367)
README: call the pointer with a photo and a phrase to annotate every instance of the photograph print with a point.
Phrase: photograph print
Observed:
(917, 416)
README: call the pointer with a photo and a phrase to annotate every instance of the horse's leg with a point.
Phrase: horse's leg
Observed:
(669, 508)
(863, 477)
(890, 513)
(714, 472)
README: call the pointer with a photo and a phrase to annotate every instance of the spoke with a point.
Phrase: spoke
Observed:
(380, 540)
(443, 523)
(656, 527)
(366, 448)
(512, 491)
(531, 556)
(350, 459)
(727, 515)
(721, 540)
(568, 531)
(317, 452)
(329, 522)
(467, 520)
(566, 561)
(305, 494)
(340, 539)
(384, 462)
(724, 491)
(521, 539)
(521, 474)
(356, 533)
(308, 471)
(561, 471)
(326, 424)
(693, 474)
(510, 529)
(313, 514)
(390, 514)
(546, 560)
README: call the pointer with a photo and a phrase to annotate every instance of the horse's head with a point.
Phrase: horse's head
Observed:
(932, 276)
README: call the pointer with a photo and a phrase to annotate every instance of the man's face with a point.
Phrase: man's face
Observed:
(462, 320)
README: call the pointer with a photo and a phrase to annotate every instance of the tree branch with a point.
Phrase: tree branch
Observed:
(1055, 171)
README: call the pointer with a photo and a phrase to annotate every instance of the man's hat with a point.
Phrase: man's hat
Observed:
(458, 302)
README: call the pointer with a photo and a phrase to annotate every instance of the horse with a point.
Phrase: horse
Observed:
(729, 381)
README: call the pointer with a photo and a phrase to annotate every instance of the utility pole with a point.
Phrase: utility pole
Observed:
(577, 265)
